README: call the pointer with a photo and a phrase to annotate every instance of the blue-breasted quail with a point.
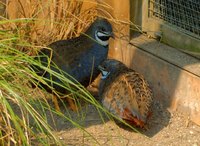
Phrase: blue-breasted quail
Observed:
(80, 56)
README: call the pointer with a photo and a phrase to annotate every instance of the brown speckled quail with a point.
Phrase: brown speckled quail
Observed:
(125, 93)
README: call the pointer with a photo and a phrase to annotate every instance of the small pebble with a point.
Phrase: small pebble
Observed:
(60, 138)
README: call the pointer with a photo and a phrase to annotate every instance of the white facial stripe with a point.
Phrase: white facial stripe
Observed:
(100, 34)
(103, 43)
(104, 74)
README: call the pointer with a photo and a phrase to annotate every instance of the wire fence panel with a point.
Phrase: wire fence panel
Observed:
(184, 14)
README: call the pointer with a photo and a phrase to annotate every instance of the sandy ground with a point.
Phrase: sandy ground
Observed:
(165, 128)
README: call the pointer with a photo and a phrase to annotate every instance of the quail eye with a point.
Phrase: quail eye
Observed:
(103, 29)
(104, 67)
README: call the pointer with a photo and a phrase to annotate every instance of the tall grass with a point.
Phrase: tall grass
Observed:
(15, 89)
(26, 27)
(17, 100)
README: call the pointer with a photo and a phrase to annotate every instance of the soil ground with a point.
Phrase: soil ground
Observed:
(165, 129)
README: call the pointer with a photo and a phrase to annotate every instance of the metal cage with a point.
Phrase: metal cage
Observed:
(174, 22)
(181, 13)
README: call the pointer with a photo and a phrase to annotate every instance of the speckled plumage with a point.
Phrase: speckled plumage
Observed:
(125, 93)
(79, 56)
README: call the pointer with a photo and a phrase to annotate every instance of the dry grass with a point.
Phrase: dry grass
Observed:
(47, 20)
(25, 27)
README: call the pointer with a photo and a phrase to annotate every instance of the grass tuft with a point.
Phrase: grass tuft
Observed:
(25, 28)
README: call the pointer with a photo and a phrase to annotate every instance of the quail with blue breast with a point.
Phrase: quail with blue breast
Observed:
(78, 57)
(125, 93)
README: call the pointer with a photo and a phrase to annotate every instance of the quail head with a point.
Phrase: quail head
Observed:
(78, 57)
(125, 93)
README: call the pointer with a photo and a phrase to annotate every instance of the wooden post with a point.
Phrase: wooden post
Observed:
(120, 11)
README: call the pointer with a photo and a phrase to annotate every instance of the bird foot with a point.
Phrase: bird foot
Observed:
(72, 105)
(55, 101)
(71, 102)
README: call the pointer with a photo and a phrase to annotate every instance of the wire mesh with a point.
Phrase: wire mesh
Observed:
(184, 14)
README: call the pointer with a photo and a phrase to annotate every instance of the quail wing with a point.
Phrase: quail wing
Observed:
(129, 97)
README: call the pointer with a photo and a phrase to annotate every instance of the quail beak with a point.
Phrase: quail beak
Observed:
(112, 35)
(101, 68)
(103, 71)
